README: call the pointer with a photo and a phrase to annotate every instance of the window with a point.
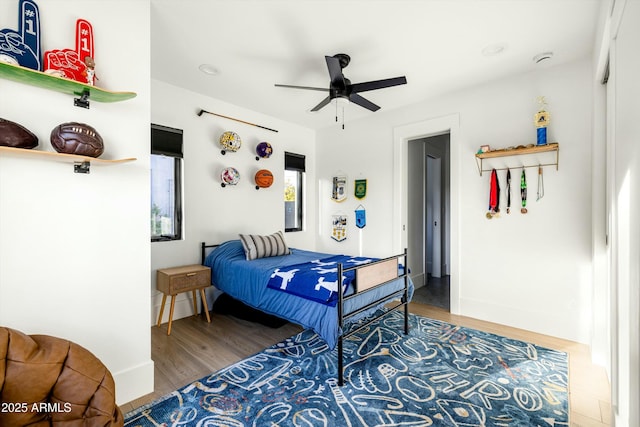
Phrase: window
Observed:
(166, 183)
(293, 186)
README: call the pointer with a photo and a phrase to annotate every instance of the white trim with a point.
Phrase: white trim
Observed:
(401, 136)
(134, 382)
(617, 12)
(612, 219)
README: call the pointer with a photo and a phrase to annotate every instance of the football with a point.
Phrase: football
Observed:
(77, 138)
(17, 136)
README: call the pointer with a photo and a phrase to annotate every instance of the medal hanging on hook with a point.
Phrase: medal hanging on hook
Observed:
(540, 184)
(494, 195)
(523, 191)
(508, 191)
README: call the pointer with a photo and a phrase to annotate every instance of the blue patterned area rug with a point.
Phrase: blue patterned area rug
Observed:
(438, 375)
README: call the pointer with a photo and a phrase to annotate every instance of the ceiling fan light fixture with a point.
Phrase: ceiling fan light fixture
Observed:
(209, 69)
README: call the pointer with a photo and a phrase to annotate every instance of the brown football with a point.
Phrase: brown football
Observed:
(14, 135)
(77, 138)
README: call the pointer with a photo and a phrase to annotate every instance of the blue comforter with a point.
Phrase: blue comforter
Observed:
(316, 280)
(247, 281)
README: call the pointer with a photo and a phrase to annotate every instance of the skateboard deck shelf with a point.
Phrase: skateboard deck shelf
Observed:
(81, 163)
(83, 91)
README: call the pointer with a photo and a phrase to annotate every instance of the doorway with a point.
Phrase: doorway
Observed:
(433, 214)
(429, 217)
(403, 200)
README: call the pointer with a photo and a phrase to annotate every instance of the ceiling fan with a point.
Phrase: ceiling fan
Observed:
(341, 88)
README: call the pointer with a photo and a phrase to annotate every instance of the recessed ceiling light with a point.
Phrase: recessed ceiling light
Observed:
(542, 57)
(494, 49)
(209, 69)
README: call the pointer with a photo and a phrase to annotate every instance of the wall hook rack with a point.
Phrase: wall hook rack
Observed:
(518, 151)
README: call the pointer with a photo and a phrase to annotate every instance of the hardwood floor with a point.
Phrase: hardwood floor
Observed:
(196, 348)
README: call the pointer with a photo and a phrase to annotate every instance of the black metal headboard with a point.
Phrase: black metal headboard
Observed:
(203, 251)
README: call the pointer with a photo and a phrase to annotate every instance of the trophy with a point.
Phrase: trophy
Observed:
(541, 120)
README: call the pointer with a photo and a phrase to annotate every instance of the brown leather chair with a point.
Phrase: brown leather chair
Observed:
(49, 381)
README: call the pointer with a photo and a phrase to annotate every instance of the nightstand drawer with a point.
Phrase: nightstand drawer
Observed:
(172, 281)
(189, 280)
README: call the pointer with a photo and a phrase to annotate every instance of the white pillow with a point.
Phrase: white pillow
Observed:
(256, 246)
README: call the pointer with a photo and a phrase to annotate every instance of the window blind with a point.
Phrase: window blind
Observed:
(166, 141)
(294, 162)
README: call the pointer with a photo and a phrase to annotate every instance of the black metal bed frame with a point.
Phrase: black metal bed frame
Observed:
(402, 293)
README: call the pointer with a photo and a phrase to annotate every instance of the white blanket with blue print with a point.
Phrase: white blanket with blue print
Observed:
(316, 280)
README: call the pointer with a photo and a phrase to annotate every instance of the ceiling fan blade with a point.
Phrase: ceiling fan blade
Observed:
(322, 104)
(378, 84)
(335, 71)
(321, 89)
(357, 99)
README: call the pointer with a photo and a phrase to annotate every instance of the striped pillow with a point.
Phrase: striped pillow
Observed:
(263, 246)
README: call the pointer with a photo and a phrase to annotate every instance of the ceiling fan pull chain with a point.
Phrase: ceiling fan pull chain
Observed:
(342, 118)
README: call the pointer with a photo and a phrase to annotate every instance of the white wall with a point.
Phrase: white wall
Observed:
(74, 249)
(531, 271)
(215, 214)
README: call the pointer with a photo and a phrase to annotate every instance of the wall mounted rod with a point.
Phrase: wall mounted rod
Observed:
(237, 120)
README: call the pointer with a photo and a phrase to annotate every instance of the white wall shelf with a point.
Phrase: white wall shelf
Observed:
(81, 163)
(519, 151)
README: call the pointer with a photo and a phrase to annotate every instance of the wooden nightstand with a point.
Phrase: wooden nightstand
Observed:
(173, 281)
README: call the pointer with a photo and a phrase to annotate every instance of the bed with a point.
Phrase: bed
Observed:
(368, 284)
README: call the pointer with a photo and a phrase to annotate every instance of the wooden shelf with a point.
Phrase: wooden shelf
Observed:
(81, 163)
(519, 151)
(84, 91)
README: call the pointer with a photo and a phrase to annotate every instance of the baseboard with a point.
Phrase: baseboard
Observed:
(560, 325)
(418, 280)
(134, 382)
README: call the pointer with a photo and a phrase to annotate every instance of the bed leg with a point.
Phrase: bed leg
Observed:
(340, 326)
(340, 368)
(406, 318)
(406, 292)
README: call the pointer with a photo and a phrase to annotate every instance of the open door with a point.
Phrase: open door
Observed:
(433, 209)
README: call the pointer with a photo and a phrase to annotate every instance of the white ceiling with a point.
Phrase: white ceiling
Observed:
(436, 44)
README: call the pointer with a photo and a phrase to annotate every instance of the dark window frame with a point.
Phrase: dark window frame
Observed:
(171, 149)
(296, 162)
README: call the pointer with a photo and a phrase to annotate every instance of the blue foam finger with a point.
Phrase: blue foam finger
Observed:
(23, 46)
